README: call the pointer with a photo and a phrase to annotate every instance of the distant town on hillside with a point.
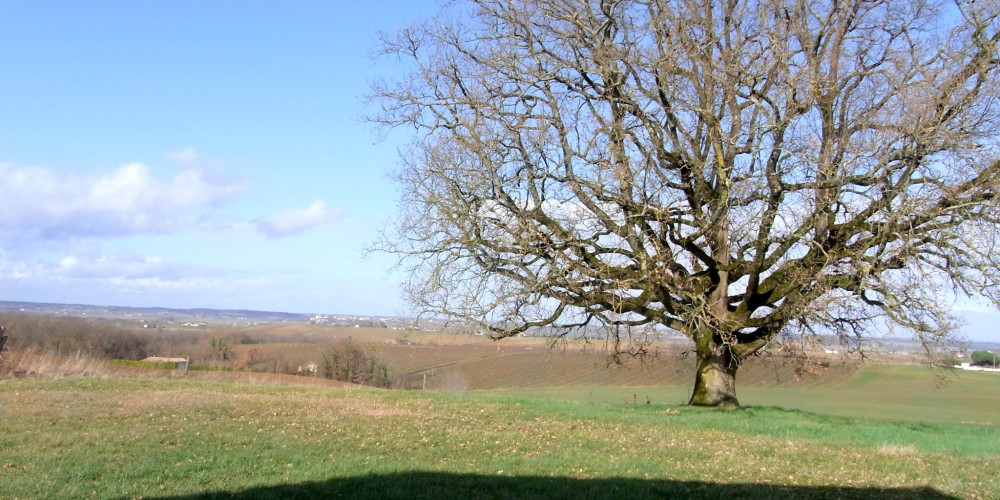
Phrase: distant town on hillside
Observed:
(161, 316)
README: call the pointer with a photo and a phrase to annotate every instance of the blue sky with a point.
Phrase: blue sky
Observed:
(201, 154)
(194, 154)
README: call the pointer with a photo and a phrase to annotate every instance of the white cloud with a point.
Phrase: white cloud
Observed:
(124, 266)
(92, 277)
(293, 222)
(184, 156)
(127, 200)
(124, 270)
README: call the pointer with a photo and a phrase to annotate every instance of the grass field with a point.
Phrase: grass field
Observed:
(892, 392)
(191, 437)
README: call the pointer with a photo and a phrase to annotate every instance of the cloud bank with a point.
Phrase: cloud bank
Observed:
(128, 200)
(68, 236)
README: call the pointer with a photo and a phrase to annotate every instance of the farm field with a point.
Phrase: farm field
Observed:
(516, 368)
(460, 363)
(135, 436)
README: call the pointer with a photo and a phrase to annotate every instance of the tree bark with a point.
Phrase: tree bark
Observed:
(715, 380)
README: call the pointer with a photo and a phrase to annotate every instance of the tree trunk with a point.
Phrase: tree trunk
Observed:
(715, 380)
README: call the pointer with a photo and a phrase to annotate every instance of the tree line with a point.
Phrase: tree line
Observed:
(67, 336)
(215, 348)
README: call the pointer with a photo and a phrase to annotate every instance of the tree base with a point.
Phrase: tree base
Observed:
(715, 383)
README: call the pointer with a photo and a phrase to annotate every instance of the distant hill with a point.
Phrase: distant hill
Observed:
(164, 315)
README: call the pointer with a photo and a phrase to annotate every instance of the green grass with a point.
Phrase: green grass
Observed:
(892, 392)
(187, 437)
(143, 364)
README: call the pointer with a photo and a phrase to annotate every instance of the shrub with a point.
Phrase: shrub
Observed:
(348, 361)
(985, 358)
(246, 359)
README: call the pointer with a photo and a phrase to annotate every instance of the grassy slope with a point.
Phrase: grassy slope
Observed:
(186, 437)
(899, 393)
(893, 392)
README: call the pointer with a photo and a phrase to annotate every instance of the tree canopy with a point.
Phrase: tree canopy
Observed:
(985, 358)
(733, 171)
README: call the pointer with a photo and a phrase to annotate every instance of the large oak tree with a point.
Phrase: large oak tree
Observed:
(730, 170)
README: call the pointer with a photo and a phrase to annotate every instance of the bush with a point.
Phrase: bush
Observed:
(348, 361)
(246, 359)
(985, 358)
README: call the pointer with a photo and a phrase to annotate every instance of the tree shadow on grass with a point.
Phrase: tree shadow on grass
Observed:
(437, 485)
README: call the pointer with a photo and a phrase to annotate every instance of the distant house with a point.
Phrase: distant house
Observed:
(182, 363)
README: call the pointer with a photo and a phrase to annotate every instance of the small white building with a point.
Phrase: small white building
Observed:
(182, 363)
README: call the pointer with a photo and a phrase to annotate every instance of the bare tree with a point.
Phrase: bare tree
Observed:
(733, 170)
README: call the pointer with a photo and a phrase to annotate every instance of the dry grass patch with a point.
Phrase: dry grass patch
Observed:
(268, 378)
(897, 450)
(320, 405)
(31, 364)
